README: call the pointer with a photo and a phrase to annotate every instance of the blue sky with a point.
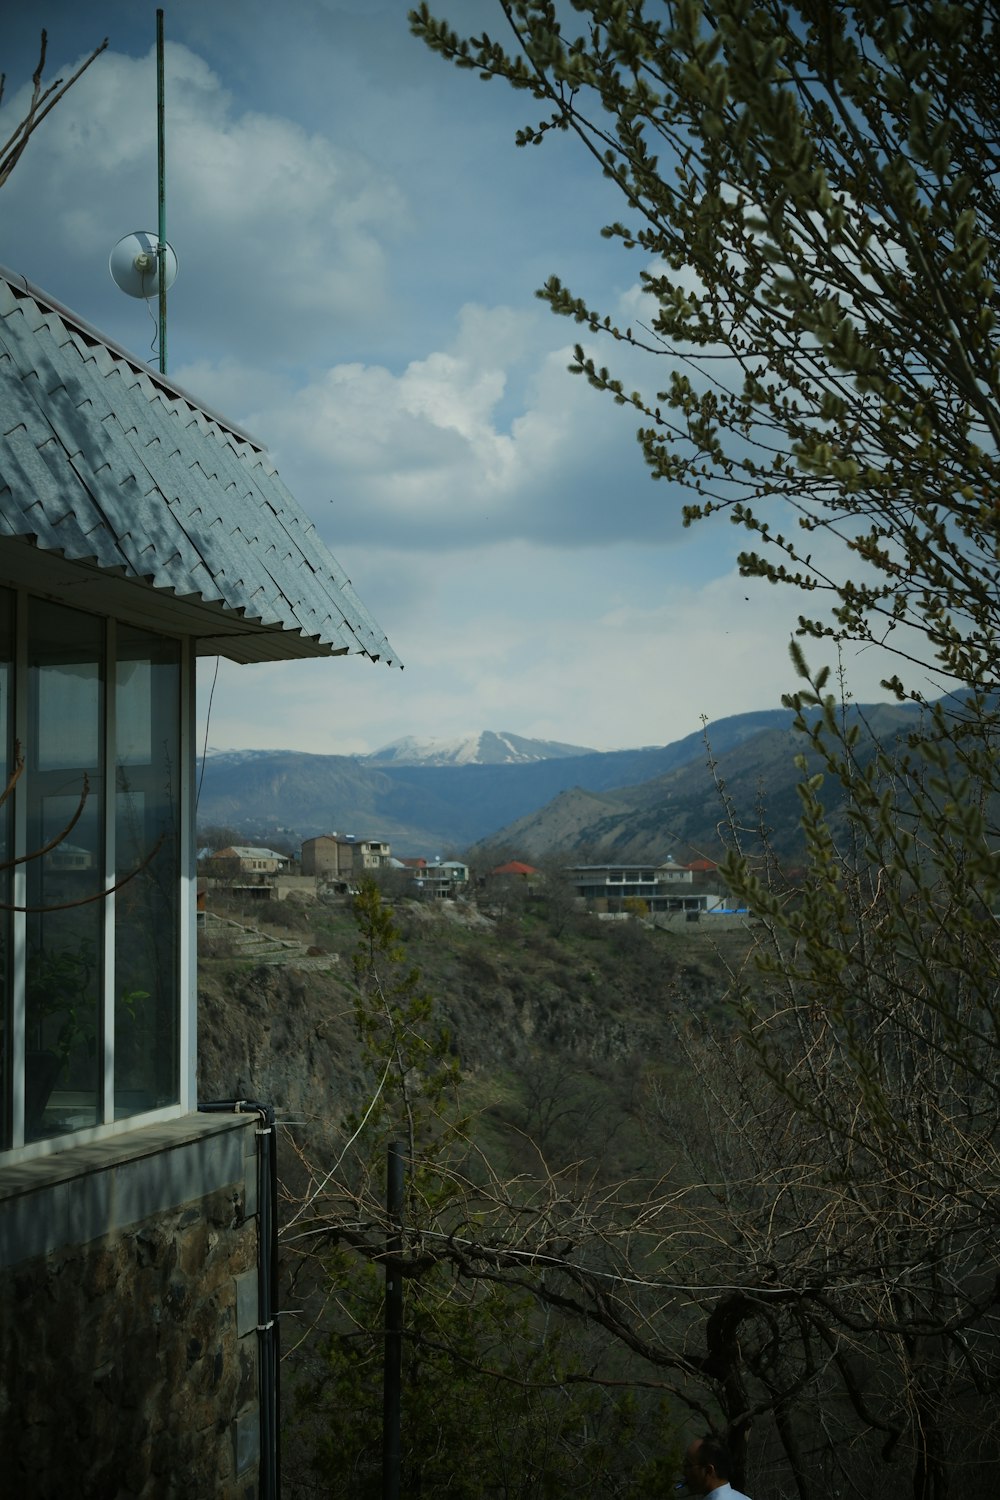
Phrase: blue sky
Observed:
(359, 243)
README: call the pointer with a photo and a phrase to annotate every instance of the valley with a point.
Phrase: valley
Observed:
(557, 1039)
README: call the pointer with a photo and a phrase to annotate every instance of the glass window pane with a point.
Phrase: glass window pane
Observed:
(64, 777)
(134, 716)
(68, 727)
(147, 851)
(7, 763)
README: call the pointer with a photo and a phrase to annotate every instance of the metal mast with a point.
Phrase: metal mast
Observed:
(161, 174)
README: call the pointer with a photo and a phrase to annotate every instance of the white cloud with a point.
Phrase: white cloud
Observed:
(487, 439)
(285, 243)
(599, 652)
(280, 234)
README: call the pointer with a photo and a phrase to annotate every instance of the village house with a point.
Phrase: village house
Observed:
(667, 887)
(248, 860)
(138, 531)
(248, 871)
(343, 858)
(515, 869)
(435, 880)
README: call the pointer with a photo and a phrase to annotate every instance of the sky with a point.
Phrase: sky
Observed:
(359, 243)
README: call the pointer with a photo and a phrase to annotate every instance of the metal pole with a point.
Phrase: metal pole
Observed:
(161, 175)
(393, 1366)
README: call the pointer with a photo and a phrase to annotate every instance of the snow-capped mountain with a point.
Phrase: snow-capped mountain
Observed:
(488, 748)
(242, 757)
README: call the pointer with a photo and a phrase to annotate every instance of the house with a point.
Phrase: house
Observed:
(514, 869)
(662, 888)
(138, 530)
(248, 860)
(245, 870)
(436, 880)
(343, 857)
(251, 873)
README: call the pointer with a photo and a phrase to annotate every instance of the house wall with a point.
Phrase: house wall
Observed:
(252, 864)
(128, 1358)
(303, 886)
(322, 856)
(714, 920)
(370, 855)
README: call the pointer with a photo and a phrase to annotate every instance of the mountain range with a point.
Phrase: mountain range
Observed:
(527, 796)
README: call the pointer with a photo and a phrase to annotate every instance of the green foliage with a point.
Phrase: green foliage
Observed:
(404, 1048)
(492, 1404)
(812, 190)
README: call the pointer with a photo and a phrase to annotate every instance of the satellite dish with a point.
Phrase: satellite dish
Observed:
(134, 264)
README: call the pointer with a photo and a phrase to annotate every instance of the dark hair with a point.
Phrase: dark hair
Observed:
(713, 1451)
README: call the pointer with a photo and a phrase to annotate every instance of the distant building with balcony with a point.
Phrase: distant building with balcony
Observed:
(663, 888)
(437, 880)
(344, 857)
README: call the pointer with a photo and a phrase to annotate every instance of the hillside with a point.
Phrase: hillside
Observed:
(683, 813)
(569, 1039)
(522, 993)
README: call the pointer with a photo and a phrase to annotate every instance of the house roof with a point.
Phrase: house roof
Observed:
(349, 839)
(514, 867)
(168, 514)
(251, 851)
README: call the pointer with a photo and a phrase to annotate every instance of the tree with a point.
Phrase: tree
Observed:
(497, 1401)
(877, 1029)
(557, 893)
(813, 191)
(42, 101)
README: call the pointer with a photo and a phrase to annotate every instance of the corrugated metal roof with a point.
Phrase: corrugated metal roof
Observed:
(106, 464)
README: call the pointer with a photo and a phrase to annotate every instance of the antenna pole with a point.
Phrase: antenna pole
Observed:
(161, 176)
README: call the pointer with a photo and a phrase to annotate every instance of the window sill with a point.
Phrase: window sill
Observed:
(79, 1193)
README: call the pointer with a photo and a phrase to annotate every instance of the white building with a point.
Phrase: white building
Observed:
(663, 888)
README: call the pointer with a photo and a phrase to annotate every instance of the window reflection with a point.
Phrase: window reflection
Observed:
(63, 970)
(147, 852)
(89, 952)
(6, 767)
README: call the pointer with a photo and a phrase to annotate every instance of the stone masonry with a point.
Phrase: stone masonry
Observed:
(128, 1364)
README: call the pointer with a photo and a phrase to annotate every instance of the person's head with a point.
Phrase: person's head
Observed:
(707, 1464)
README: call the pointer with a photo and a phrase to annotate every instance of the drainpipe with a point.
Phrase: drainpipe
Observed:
(268, 1335)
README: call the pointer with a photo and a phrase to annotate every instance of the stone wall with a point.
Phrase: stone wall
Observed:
(128, 1363)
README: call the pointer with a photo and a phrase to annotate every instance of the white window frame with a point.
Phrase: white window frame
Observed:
(186, 999)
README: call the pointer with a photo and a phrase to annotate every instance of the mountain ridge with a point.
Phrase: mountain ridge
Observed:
(685, 812)
(427, 808)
